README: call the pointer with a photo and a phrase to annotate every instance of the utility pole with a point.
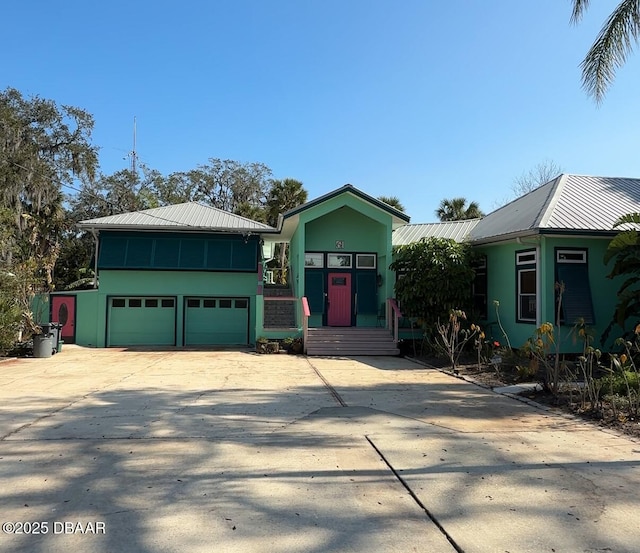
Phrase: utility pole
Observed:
(134, 155)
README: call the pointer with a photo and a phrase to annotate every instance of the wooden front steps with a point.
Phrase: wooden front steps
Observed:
(350, 341)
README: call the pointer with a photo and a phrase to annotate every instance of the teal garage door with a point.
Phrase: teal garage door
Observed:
(216, 321)
(141, 321)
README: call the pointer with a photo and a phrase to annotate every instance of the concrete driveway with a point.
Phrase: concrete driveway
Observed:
(134, 451)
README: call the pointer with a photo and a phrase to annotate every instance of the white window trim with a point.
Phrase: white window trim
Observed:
(317, 256)
(336, 256)
(521, 294)
(582, 253)
(375, 261)
(527, 254)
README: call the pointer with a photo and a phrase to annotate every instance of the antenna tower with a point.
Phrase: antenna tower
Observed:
(134, 154)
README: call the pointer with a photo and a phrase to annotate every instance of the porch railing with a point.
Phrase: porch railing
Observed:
(393, 318)
(277, 276)
(306, 312)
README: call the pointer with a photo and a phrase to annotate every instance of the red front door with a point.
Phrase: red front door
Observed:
(339, 310)
(63, 311)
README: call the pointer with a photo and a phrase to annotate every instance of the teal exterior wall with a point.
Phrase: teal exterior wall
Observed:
(91, 305)
(205, 266)
(40, 308)
(502, 286)
(178, 284)
(359, 232)
(360, 227)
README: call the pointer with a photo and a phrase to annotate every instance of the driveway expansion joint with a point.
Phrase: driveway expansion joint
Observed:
(327, 384)
(415, 497)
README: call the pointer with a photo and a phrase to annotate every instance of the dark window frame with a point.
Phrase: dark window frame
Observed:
(526, 262)
(479, 288)
(578, 258)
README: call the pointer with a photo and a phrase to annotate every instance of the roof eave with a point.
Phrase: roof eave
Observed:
(538, 232)
(402, 218)
(169, 228)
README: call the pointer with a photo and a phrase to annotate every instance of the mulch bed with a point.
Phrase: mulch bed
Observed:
(489, 377)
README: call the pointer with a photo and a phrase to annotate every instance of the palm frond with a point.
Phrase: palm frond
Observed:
(611, 47)
(579, 7)
(633, 218)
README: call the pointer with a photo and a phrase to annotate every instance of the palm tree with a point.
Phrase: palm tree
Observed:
(457, 210)
(393, 201)
(611, 47)
(284, 195)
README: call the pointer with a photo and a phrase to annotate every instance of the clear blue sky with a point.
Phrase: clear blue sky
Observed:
(420, 99)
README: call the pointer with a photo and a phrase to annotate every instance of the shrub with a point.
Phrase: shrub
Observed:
(10, 312)
(435, 276)
(616, 383)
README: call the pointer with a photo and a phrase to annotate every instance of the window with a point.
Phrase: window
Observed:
(139, 252)
(572, 272)
(118, 302)
(527, 286)
(314, 260)
(192, 254)
(167, 303)
(151, 303)
(167, 251)
(241, 304)
(135, 302)
(366, 261)
(480, 287)
(339, 260)
(225, 304)
(209, 304)
(571, 256)
(193, 303)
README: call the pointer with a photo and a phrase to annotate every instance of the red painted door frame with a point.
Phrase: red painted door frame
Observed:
(63, 310)
(340, 299)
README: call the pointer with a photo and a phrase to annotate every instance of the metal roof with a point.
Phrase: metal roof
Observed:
(456, 230)
(190, 216)
(399, 216)
(568, 203)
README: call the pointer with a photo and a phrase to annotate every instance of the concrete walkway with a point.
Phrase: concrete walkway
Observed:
(235, 452)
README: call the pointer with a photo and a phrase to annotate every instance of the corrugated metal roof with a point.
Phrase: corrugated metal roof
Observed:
(399, 216)
(592, 203)
(567, 203)
(456, 230)
(187, 216)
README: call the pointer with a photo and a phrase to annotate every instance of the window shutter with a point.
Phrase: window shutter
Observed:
(576, 299)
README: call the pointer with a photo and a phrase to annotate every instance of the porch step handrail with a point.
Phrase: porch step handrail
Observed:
(306, 312)
(393, 318)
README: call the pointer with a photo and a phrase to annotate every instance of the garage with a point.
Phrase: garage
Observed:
(215, 321)
(141, 321)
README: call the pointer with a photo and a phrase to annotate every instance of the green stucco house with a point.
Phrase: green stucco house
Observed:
(170, 276)
(558, 233)
(191, 275)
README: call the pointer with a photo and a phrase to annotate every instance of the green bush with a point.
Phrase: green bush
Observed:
(10, 312)
(435, 275)
(615, 383)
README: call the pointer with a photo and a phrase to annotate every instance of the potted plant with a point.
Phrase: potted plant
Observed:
(261, 344)
(287, 344)
(297, 346)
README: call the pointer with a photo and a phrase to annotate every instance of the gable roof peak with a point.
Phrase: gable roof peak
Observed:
(398, 215)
